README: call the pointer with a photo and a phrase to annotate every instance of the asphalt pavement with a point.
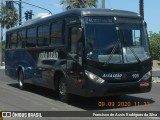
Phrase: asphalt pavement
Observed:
(40, 99)
(156, 75)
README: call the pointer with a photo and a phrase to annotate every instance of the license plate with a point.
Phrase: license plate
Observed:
(144, 84)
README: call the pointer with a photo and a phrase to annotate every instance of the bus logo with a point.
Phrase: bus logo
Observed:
(48, 55)
(117, 75)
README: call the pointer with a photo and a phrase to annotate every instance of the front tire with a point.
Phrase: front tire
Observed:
(62, 90)
(21, 80)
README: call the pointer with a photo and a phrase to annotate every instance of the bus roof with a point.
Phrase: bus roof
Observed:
(81, 12)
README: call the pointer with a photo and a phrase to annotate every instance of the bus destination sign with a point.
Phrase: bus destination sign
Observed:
(100, 20)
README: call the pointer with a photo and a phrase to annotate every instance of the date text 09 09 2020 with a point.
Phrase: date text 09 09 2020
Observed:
(122, 104)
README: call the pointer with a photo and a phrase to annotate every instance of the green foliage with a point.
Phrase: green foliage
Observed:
(8, 17)
(3, 45)
(3, 49)
(155, 45)
(70, 4)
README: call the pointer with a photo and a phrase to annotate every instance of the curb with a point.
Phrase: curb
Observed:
(2, 67)
(156, 79)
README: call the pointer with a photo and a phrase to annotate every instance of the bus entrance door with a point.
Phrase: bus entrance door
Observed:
(74, 57)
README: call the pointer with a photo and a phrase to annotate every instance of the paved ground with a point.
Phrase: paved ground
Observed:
(156, 71)
(40, 99)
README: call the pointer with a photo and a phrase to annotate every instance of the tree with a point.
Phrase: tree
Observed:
(155, 45)
(70, 4)
(3, 50)
(8, 17)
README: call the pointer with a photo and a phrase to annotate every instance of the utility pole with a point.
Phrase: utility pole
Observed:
(141, 8)
(20, 12)
(1, 37)
(103, 3)
(19, 2)
(34, 6)
(159, 48)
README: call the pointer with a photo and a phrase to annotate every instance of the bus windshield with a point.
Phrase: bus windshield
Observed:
(116, 40)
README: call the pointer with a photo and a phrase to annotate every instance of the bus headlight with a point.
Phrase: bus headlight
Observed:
(147, 75)
(94, 77)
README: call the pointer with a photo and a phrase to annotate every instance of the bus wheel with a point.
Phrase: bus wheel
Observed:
(62, 90)
(21, 80)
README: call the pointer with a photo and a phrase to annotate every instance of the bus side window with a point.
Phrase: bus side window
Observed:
(136, 37)
(7, 41)
(43, 35)
(31, 37)
(56, 34)
(13, 40)
(21, 39)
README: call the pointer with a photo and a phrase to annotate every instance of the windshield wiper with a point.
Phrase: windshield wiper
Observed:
(112, 52)
(133, 52)
(114, 47)
(117, 44)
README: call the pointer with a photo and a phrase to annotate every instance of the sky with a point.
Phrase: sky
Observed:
(151, 9)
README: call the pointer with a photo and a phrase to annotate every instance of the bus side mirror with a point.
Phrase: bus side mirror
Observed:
(78, 32)
(145, 24)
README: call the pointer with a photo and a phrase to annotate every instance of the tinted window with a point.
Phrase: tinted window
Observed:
(43, 35)
(7, 40)
(31, 37)
(21, 39)
(56, 34)
(13, 43)
(101, 38)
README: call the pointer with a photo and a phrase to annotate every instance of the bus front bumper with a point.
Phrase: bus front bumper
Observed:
(113, 89)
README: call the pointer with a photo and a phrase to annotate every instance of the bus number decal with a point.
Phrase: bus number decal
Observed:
(135, 75)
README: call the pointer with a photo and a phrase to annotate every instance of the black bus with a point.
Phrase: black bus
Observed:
(86, 52)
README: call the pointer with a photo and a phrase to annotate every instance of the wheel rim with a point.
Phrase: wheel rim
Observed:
(20, 80)
(62, 88)
(20, 83)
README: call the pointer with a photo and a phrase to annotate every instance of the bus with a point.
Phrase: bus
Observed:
(85, 52)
